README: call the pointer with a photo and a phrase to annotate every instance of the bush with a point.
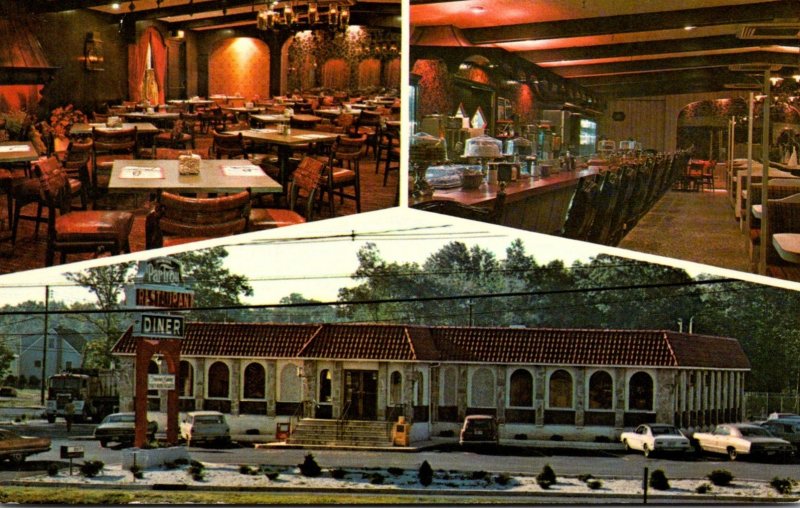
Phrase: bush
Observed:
(91, 468)
(196, 470)
(396, 471)
(181, 461)
(272, 476)
(170, 465)
(376, 478)
(585, 477)
(309, 467)
(246, 470)
(425, 474)
(52, 469)
(478, 475)
(703, 488)
(34, 382)
(137, 471)
(338, 473)
(658, 480)
(503, 479)
(595, 484)
(547, 477)
(781, 485)
(720, 477)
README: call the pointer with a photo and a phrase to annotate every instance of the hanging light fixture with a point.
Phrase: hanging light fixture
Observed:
(313, 13)
(288, 14)
(131, 6)
(305, 15)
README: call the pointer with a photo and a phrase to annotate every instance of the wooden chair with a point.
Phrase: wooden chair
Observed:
(306, 179)
(230, 146)
(182, 133)
(114, 143)
(388, 151)
(343, 171)
(707, 175)
(368, 124)
(68, 232)
(178, 219)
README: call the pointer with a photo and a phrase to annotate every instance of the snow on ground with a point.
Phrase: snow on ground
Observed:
(220, 475)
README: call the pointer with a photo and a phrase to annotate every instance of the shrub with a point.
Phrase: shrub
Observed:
(720, 477)
(595, 484)
(52, 469)
(425, 474)
(658, 480)
(33, 382)
(376, 478)
(309, 467)
(547, 477)
(137, 472)
(703, 488)
(585, 477)
(195, 464)
(395, 471)
(479, 475)
(781, 485)
(196, 470)
(91, 468)
(170, 465)
(272, 476)
(338, 473)
(245, 469)
(503, 479)
(182, 461)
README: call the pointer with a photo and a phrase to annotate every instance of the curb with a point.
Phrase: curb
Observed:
(689, 498)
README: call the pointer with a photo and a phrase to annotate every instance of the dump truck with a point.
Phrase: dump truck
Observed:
(93, 393)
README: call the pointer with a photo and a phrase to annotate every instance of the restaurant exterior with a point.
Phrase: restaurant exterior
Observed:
(572, 384)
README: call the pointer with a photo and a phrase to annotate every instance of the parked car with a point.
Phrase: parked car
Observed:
(479, 429)
(783, 416)
(653, 438)
(738, 439)
(785, 428)
(205, 426)
(14, 447)
(121, 428)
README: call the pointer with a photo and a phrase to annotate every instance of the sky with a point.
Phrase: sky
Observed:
(318, 258)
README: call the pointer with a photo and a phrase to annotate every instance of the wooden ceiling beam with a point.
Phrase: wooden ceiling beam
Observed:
(644, 48)
(718, 74)
(608, 25)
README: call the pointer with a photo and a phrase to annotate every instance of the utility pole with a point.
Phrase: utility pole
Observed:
(44, 345)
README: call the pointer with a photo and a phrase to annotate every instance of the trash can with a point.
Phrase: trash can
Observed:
(400, 432)
(282, 431)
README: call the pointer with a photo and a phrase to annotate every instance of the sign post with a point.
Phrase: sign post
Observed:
(71, 452)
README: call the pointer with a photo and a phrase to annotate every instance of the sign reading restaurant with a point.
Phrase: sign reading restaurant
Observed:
(159, 283)
(149, 297)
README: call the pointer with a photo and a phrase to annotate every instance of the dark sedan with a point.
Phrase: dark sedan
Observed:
(120, 428)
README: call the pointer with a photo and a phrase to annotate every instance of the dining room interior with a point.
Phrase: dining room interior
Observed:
(633, 124)
(137, 124)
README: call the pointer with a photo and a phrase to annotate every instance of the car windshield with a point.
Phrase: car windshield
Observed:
(120, 419)
(665, 431)
(208, 419)
(754, 432)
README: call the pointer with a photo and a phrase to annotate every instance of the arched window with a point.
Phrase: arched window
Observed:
(449, 378)
(601, 390)
(254, 381)
(482, 393)
(218, 380)
(185, 379)
(325, 385)
(521, 392)
(561, 389)
(396, 388)
(291, 388)
(419, 389)
(640, 392)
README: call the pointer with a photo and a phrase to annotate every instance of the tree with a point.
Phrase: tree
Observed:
(6, 357)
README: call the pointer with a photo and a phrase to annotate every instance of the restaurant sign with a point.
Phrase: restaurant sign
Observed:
(164, 326)
(159, 283)
(161, 381)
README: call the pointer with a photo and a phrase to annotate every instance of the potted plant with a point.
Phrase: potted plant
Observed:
(61, 121)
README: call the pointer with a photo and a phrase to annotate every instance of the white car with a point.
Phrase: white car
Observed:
(743, 439)
(205, 426)
(656, 438)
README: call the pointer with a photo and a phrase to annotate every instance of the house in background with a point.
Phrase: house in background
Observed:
(64, 351)
(581, 384)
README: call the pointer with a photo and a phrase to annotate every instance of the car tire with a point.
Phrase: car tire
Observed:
(626, 445)
(732, 453)
(647, 451)
(51, 419)
(16, 458)
(103, 443)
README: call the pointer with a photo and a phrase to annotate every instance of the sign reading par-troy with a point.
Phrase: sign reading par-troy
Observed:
(162, 325)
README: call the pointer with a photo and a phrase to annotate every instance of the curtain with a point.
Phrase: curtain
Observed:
(137, 64)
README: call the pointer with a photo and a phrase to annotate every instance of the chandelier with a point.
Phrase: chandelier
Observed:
(302, 15)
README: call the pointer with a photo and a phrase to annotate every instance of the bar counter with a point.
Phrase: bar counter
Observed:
(538, 205)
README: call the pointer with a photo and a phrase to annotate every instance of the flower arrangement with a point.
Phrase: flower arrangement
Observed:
(61, 120)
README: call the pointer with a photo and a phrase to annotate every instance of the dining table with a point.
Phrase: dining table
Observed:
(286, 143)
(13, 154)
(788, 246)
(191, 103)
(85, 129)
(161, 119)
(215, 176)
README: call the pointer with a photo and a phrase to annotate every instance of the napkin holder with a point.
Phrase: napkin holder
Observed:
(150, 110)
(189, 164)
(113, 121)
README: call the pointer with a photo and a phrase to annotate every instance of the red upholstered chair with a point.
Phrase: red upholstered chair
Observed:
(177, 219)
(306, 179)
(89, 231)
(343, 171)
(369, 124)
(228, 146)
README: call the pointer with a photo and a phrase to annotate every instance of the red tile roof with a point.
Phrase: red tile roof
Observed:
(645, 348)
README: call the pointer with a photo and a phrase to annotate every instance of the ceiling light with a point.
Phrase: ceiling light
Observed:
(689, 27)
(776, 80)
(115, 6)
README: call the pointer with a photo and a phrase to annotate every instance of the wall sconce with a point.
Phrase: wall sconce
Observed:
(93, 52)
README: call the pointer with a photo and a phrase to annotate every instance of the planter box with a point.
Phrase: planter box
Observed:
(147, 459)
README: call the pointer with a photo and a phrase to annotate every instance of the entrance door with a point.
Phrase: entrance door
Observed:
(361, 393)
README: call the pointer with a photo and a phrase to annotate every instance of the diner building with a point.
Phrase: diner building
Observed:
(573, 384)
(619, 123)
(117, 96)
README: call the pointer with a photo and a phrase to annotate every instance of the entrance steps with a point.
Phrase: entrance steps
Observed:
(360, 433)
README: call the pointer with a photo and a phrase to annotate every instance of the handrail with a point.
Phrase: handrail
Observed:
(296, 416)
(342, 420)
